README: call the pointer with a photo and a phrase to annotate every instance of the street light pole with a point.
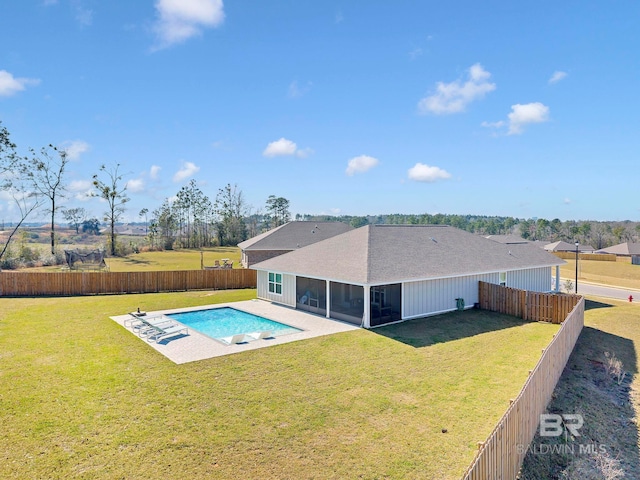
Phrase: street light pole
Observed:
(577, 245)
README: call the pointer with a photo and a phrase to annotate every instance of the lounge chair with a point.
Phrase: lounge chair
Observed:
(148, 327)
(167, 331)
(237, 338)
(135, 320)
(260, 335)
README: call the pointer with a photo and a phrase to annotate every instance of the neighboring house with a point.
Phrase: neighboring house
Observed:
(126, 229)
(286, 238)
(507, 239)
(379, 274)
(568, 247)
(626, 249)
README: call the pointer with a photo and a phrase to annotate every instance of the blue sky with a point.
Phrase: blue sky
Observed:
(524, 109)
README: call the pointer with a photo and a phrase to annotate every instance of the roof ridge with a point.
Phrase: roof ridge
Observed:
(368, 254)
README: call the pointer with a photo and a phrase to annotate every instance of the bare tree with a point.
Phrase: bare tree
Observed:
(46, 172)
(26, 202)
(75, 217)
(113, 191)
(14, 184)
(143, 213)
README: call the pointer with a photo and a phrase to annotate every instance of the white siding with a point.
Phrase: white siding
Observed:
(429, 297)
(288, 296)
(534, 279)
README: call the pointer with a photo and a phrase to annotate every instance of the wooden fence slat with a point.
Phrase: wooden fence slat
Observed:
(513, 433)
(17, 284)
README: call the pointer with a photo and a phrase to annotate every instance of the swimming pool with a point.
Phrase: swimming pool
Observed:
(225, 322)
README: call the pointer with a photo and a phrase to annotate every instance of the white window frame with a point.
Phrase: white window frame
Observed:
(274, 283)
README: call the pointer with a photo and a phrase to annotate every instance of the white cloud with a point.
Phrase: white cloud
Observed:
(557, 76)
(361, 164)
(426, 173)
(135, 185)
(154, 172)
(339, 18)
(285, 148)
(188, 170)
(82, 190)
(522, 115)
(74, 148)
(567, 201)
(10, 85)
(498, 124)
(80, 185)
(179, 20)
(415, 53)
(297, 91)
(455, 96)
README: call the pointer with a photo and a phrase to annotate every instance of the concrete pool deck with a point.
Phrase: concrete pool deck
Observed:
(196, 346)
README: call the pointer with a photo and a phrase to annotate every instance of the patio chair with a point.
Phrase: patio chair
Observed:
(260, 335)
(135, 320)
(216, 264)
(162, 332)
(148, 327)
(228, 265)
(237, 338)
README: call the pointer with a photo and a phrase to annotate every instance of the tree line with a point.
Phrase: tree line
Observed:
(191, 219)
(598, 234)
(36, 181)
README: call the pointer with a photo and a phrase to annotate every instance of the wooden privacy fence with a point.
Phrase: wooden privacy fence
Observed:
(598, 257)
(501, 456)
(17, 284)
(534, 306)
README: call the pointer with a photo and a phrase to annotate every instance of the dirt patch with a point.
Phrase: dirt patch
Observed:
(596, 384)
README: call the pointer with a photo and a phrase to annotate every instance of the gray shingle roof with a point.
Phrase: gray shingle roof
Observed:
(378, 254)
(511, 239)
(626, 248)
(294, 235)
(567, 247)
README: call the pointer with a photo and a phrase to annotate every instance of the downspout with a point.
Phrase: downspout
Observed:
(366, 318)
(328, 293)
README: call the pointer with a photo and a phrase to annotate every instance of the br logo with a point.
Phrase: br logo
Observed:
(553, 425)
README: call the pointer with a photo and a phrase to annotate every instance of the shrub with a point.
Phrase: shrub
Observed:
(614, 367)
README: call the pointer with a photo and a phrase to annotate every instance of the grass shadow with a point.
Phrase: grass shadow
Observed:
(426, 331)
(608, 440)
(136, 261)
(592, 304)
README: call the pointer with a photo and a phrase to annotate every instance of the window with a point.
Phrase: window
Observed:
(275, 283)
(503, 279)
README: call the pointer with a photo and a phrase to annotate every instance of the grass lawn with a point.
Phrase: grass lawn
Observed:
(609, 408)
(81, 397)
(181, 259)
(607, 273)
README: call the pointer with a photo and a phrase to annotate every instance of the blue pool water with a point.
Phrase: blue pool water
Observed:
(226, 321)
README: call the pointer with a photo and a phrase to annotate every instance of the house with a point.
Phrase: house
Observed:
(126, 229)
(626, 249)
(568, 247)
(508, 239)
(286, 238)
(379, 274)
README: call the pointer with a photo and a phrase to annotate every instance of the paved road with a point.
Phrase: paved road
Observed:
(618, 293)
